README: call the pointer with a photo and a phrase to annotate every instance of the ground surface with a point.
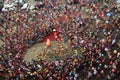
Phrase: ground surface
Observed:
(40, 48)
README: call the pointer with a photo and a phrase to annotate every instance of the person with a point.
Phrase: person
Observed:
(94, 38)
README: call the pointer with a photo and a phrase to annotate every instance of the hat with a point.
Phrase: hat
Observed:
(111, 62)
(103, 61)
(35, 72)
(29, 72)
(75, 60)
(100, 64)
(54, 30)
(115, 51)
(102, 54)
(102, 71)
(60, 15)
(9, 71)
(113, 70)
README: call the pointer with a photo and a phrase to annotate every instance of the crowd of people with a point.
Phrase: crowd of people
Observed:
(92, 26)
